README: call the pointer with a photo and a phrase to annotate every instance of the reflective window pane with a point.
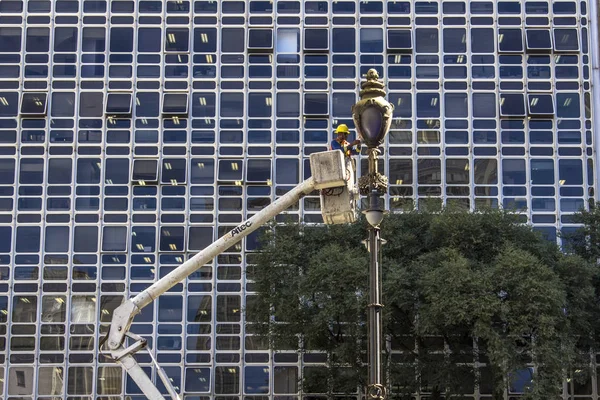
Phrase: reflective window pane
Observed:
(232, 40)
(121, 40)
(427, 40)
(513, 172)
(256, 379)
(566, 40)
(371, 40)
(567, 105)
(33, 104)
(232, 104)
(118, 103)
(485, 171)
(177, 40)
(197, 380)
(456, 105)
(510, 40)
(512, 104)
(316, 39)
(538, 39)
(429, 171)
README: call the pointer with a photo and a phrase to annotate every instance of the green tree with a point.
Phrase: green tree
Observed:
(458, 287)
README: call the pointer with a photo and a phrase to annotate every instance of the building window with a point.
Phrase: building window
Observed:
(316, 104)
(566, 40)
(316, 40)
(538, 40)
(118, 104)
(512, 105)
(33, 104)
(175, 104)
(260, 40)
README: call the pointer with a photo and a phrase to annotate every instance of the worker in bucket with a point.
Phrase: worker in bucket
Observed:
(341, 142)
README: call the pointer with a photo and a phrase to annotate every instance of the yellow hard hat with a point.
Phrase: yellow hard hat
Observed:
(342, 128)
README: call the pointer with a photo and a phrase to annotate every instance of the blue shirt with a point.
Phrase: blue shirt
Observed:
(345, 147)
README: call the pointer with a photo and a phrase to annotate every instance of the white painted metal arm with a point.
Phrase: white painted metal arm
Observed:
(328, 171)
(123, 315)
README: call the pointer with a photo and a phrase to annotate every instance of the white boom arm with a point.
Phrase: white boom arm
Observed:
(328, 171)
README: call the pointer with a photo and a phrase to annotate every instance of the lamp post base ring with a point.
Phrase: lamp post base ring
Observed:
(376, 391)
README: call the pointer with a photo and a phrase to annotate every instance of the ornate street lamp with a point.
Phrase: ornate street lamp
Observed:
(372, 116)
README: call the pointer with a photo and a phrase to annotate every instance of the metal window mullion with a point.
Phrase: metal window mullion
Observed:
(386, 145)
(213, 263)
(9, 305)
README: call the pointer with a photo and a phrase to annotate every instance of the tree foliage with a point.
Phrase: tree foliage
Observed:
(458, 287)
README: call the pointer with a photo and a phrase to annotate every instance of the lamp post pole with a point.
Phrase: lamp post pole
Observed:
(372, 116)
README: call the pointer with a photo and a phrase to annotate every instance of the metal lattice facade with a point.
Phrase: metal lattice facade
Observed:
(133, 133)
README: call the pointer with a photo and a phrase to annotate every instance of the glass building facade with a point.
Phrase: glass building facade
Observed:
(134, 133)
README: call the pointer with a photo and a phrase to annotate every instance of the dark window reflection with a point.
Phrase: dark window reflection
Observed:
(566, 40)
(232, 104)
(316, 39)
(171, 238)
(482, 40)
(570, 172)
(259, 170)
(31, 171)
(260, 39)
(542, 172)
(38, 40)
(540, 104)
(344, 40)
(401, 172)
(149, 40)
(33, 103)
(456, 105)
(513, 172)
(259, 105)
(371, 40)
(538, 39)
(510, 40)
(177, 40)
(455, 40)
(90, 104)
(427, 40)
(121, 40)
(512, 104)
(173, 171)
(230, 170)
(288, 104)
(143, 239)
(485, 171)
(175, 103)
(429, 171)
(197, 379)
(232, 40)
(118, 103)
(94, 40)
(10, 37)
(86, 239)
(65, 39)
(144, 170)
(287, 171)
(316, 104)
(428, 105)
(484, 105)
(399, 39)
(205, 40)
(28, 240)
(342, 104)
(567, 105)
